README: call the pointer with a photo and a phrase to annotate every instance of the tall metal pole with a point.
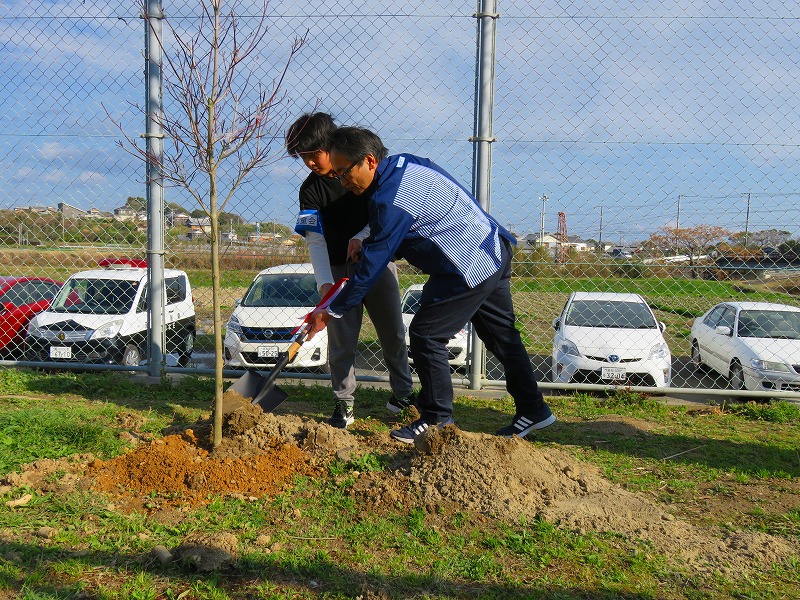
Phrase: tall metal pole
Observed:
(482, 139)
(154, 137)
(600, 240)
(747, 224)
(544, 199)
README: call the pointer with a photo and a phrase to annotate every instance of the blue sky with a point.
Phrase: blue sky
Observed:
(616, 107)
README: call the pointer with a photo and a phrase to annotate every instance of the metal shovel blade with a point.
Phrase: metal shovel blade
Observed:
(265, 394)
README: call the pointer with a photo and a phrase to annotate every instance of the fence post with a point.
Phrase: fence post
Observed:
(154, 137)
(482, 139)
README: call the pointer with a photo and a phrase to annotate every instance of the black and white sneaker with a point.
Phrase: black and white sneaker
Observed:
(522, 425)
(342, 416)
(397, 405)
(409, 432)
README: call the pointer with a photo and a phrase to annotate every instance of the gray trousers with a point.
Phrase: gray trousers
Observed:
(383, 306)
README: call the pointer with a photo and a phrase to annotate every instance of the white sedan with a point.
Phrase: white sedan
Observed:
(457, 347)
(756, 345)
(610, 338)
(264, 321)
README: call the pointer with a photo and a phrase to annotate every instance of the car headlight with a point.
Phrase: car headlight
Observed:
(234, 326)
(770, 365)
(569, 348)
(108, 330)
(33, 328)
(660, 350)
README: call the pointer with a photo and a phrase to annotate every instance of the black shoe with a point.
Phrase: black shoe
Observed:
(397, 405)
(342, 416)
(409, 432)
(522, 425)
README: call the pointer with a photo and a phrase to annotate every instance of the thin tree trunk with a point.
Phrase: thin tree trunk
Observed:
(215, 287)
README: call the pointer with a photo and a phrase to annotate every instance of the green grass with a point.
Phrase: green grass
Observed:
(324, 544)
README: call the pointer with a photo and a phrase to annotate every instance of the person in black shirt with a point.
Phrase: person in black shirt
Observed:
(334, 224)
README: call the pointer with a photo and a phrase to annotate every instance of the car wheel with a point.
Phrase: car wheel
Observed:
(736, 376)
(132, 356)
(697, 360)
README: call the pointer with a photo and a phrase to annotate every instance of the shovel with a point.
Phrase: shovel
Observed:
(265, 394)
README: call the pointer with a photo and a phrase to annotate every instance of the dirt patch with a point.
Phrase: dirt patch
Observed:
(509, 479)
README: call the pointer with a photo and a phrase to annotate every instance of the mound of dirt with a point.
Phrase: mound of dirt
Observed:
(509, 479)
(514, 480)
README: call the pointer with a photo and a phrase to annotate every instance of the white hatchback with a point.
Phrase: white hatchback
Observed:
(610, 338)
(265, 319)
(457, 347)
(756, 345)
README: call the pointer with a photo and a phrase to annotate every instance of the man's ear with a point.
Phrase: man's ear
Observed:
(372, 162)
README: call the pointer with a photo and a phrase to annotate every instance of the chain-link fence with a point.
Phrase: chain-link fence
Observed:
(643, 152)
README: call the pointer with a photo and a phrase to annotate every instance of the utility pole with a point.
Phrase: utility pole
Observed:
(541, 226)
(600, 237)
(678, 222)
(747, 223)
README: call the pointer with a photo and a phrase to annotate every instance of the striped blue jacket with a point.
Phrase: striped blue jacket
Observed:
(417, 211)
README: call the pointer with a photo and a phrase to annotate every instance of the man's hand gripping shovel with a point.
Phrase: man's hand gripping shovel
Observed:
(265, 394)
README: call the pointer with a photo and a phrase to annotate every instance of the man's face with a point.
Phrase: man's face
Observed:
(319, 162)
(355, 176)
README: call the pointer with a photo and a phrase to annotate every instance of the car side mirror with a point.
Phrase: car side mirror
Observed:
(723, 330)
(556, 324)
(237, 302)
(662, 326)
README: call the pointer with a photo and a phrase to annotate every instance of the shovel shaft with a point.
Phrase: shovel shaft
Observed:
(284, 358)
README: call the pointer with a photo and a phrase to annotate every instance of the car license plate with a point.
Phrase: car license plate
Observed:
(615, 373)
(60, 352)
(267, 352)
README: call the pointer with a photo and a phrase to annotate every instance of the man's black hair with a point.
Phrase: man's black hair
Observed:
(354, 143)
(309, 133)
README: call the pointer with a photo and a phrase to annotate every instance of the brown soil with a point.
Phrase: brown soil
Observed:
(490, 477)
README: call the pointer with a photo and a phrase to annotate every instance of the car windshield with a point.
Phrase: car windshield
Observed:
(282, 289)
(95, 296)
(411, 302)
(776, 324)
(610, 314)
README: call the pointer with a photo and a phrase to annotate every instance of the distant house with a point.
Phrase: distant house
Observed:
(125, 213)
(199, 227)
(73, 212)
(551, 242)
(577, 243)
(96, 213)
(177, 219)
(532, 241)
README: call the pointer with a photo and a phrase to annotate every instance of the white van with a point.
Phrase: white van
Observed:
(100, 316)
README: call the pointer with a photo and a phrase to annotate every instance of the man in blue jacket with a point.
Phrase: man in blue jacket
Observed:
(419, 212)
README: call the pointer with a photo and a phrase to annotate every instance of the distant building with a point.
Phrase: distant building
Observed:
(39, 210)
(199, 227)
(551, 242)
(532, 241)
(177, 219)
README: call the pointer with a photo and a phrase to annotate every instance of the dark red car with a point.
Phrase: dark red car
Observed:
(20, 299)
